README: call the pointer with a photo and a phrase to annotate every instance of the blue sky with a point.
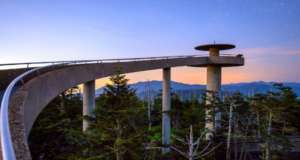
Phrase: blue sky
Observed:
(267, 32)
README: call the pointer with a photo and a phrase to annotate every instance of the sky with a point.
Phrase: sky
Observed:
(266, 32)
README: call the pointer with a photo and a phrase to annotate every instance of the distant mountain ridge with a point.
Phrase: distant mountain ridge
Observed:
(189, 90)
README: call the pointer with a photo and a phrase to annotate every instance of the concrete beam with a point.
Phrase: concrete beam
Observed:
(166, 108)
(88, 102)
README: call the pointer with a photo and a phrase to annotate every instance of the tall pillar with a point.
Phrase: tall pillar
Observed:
(213, 117)
(166, 108)
(88, 102)
(213, 86)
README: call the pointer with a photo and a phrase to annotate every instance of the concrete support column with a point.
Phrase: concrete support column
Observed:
(88, 102)
(166, 108)
(213, 86)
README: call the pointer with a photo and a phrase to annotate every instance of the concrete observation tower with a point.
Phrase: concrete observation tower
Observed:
(214, 80)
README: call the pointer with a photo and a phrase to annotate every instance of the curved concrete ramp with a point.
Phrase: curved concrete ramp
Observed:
(37, 91)
(6, 76)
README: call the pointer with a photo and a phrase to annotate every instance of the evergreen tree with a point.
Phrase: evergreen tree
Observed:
(56, 134)
(119, 122)
(119, 128)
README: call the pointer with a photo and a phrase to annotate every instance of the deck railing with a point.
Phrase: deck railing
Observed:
(44, 63)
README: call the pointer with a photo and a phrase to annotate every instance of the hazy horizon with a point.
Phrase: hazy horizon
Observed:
(103, 81)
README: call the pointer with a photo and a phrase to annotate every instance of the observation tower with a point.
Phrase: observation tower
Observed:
(214, 80)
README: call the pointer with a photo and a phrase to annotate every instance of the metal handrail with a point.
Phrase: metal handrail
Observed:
(102, 60)
(92, 60)
(6, 141)
(5, 135)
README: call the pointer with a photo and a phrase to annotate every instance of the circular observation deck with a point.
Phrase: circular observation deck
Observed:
(219, 46)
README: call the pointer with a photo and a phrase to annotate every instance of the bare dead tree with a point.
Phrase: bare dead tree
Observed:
(149, 103)
(193, 152)
(229, 133)
(148, 97)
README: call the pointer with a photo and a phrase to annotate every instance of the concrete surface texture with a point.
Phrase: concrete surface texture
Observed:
(214, 79)
(166, 108)
(88, 102)
(30, 99)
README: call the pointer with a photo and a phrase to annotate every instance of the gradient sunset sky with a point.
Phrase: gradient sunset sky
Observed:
(267, 32)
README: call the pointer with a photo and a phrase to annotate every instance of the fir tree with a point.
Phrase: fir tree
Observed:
(119, 122)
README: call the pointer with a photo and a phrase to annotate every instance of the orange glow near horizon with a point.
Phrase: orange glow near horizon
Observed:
(257, 68)
(189, 75)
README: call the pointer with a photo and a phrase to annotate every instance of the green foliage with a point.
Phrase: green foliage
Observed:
(119, 130)
(119, 123)
(55, 134)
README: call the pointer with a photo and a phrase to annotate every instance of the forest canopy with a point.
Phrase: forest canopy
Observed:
(125, 127)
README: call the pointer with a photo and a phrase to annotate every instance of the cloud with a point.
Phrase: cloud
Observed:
(269, 51)
(294, 52)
